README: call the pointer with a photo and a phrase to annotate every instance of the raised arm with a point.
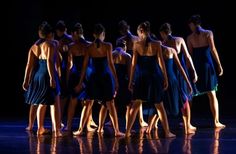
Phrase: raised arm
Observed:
(189, 59)
(29, 68)
(178, 64)
(214, 52)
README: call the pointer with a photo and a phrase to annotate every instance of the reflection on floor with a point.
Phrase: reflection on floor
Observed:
(14, 139)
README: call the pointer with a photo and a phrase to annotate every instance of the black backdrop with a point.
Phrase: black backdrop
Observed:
(24, 17)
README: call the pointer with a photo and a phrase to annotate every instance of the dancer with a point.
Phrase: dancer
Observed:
(100, 85)
(151, 79)
(202, 48)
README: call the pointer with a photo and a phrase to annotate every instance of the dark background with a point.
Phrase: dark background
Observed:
(23, 18)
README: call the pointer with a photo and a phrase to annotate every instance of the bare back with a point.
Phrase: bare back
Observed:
(199, 40)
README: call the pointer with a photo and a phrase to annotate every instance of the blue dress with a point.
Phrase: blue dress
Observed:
(74, 78)
(173, 101)
(207, 78)
(64, 40)
(100, 81)
(123, 95)
(148, 80)
(186, 96)
(39, 91)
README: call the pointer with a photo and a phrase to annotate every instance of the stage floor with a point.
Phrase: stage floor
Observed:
(14, 139)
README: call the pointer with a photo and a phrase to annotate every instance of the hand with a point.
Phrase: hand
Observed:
(52, 83)
(165, 84)
(220, 70)
(25, 86)
(79, 87)
(190, 88)
(65, 48)
(130, 87)
(195, 77)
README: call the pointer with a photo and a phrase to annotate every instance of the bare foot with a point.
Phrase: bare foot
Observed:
(219, 125)
(170, 135)
(192, 127)
(143, 123)
(127, 134)
(29, 128)
(78, 133)
(62, 125)
(43, 131)
(148, 130)
(93, 124)
(119, 134)
(189, 131)
(90, 129)
(58, 134)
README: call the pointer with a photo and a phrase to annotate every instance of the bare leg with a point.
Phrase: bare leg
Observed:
(141, 120)
(84, 117)
(90, 120)
(32, 116)
(63, 102)
(102, 117)
(55, 127)
(58, 112)
(188, 128)
(70, 114)
(40, 119)
(214, 108)
(151, 122)
(127, 115)
(163, 117)
(133, 113)
(114, 119)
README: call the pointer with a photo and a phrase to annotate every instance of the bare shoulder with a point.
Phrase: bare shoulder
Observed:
(208, 33)
(107, 44)
(179, 39)
(157, 43)
(135, 38)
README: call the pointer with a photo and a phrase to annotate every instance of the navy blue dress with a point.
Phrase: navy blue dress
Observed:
(186, 96)
(100, 81)
(74, 78)
(207, 78)
(173, 98)
(123, 95)
(148, 80)
(39, 91)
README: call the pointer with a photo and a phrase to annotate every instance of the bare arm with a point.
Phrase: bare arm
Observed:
(189, 60)
(132, 67)
(178, 64)
(50, 51)
(111, 64)
(29, 68)
(162, 65)
(129, 61)
(214, 52)
(83, 72)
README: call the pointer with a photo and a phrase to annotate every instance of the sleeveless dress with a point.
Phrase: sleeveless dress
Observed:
(39, 91)
(148, 80)
(186, 96)
(100, 81)
(123, 95)
(207, 78)
(173, 101)
(74, 78)
(64, 40)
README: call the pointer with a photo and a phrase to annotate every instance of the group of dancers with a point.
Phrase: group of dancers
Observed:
(163, 75)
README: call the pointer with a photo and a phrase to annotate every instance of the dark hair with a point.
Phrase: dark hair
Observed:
(98, 29)
(78, 28)
(166, 28)
(123, 25)
(45, 28)
(195, 19)
(145, 26)
(60, 25)
(121, 43)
